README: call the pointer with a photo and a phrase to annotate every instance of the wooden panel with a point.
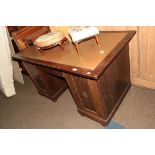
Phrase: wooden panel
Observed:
(133, 46)
(84, 92)
(113, 28)
(115, 80)
(143, 83)
(134, 53)
(87, 97)
(46, 84)
(12, 29)
(81, 87)
(36, 77)
(20, 35)
(50, 71)
(142, 54)
(63, 29)
(73, 90)
(99, 99)
(147, 49)
(55, 86)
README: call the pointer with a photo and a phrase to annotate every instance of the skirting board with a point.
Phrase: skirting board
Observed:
(143, 83)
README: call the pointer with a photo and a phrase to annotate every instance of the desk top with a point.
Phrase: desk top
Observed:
(91, 60)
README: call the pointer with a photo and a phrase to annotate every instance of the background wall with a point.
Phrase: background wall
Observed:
(142, 52)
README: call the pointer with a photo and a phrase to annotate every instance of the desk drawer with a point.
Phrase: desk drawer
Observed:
(50, 71)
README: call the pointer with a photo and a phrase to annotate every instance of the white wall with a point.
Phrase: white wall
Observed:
(6, 68)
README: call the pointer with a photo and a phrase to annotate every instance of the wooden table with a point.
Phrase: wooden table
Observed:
(98, 77)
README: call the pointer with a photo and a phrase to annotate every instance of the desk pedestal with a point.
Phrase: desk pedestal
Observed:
(99, 99)
(47, 84)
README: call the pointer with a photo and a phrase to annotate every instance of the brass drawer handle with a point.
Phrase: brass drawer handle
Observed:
(84, 94)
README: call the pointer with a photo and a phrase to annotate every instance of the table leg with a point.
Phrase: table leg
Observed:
(77, 47)
(97, 40)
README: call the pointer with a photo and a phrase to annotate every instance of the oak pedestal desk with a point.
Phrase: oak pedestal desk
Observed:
(98, 77)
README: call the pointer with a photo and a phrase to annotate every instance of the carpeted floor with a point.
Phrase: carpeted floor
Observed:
(27, 109)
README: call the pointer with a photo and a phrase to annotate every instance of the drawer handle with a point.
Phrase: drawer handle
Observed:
(84, 94)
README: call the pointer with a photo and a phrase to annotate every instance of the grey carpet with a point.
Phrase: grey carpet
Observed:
(27, 109)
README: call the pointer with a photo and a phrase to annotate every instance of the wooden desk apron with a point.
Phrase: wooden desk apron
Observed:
(98, 77)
